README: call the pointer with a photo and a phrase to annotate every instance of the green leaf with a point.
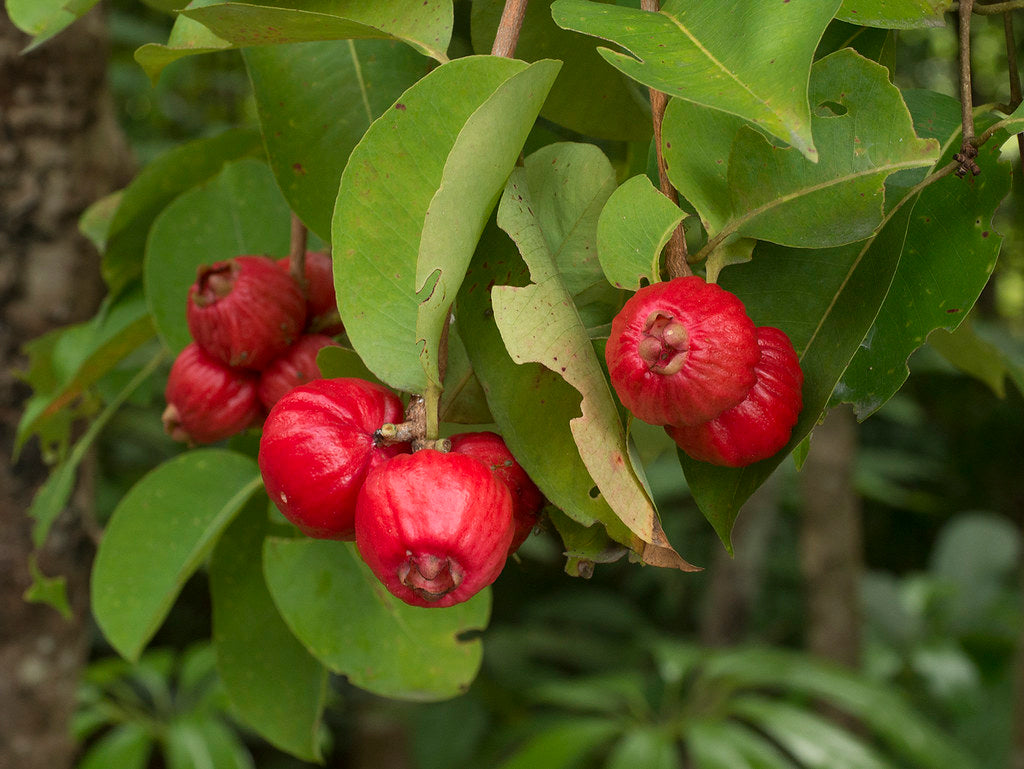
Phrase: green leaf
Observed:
(310, 131)
(52, 497)
(540, 324)
(563, 744)
(894, 14)
(756, 68)
(158, 184)
(972, 355)
(45, 18)
(51, 591)
(950, 252)
(209, 26)
(65, 362)
(126, 746)
(347, 619)
(96, 220)
(336, 362)
(729, 745)
(634, 227)
(648, 748)
(191, 743)
(158, 535)
(414, 199)
(588, 97)
(274, 685)
(239, 211)
(864, 134)
(585, 546)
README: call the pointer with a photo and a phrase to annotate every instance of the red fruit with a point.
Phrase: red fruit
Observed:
(206, 400)
(318, 445)
(321, 301)
(245, 311)
(435, 528)
(296, 366)
(681, 352)
(761, 424)
(527, 500)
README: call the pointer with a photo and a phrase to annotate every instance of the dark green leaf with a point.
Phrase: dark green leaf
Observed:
(274, 685)
(894, 14)
(717, 744)
(347, 619)
(972, 355)
(563, 745)
(648, 748)
(158, 535)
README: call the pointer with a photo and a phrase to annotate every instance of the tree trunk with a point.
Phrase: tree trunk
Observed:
(832, 551)
(60, 149)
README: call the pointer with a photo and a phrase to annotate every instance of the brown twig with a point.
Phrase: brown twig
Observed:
(991, 9)
(1016, 97)
(297, 252)
(676, 257)
(507, 36)
(968, 151)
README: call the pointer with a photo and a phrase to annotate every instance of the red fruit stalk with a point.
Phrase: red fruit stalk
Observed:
(294, 367)
(245, 311)
(490, 448)
(435, 528)
(208, 401)
(681, 352)
(761, 424)
(317, 446)
(321, 301)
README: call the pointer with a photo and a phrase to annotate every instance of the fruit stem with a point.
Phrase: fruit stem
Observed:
(297, 254)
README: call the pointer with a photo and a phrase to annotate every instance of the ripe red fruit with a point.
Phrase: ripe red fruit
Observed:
(296, 366)
(761, 424)
(206, 400)
(318, 445)
(527, 499)
(681, 352)
(245, 311)
(435, 528)
(321, 301)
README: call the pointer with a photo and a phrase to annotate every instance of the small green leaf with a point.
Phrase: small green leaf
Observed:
(45, 18)
(51, 591)
(414, 198)
(756, 69)
(729, 745)
(239, 211)
(648, 748)
(634, 227)
(972, 355)
(563, 744)
(191, 743)
(126, 746)
(273, 683)
(347, 619)
(96, 220)
(158, 535)
(894, 14)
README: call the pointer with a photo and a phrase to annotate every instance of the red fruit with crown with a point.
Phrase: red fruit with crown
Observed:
(321, 301)
(319, 442)
(294, 367)
(208, 401)
(761, 424)
(490, 448)
(245, 311)
(681, 352)
(435, 528)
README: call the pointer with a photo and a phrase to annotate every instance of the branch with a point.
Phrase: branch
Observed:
(991, 9)
(968, 151)
(297, 253)
(1015, 90)
(676, 257)
(507, 36)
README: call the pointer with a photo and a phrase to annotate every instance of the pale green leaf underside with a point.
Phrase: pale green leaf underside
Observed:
(894, 14)
(752, 62)
(438, 139)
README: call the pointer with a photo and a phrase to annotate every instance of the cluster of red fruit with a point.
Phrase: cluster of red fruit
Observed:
(685, 355)
(435, 527)
(256, 335)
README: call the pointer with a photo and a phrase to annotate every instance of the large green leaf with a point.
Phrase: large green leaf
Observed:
(346, 618)
(894, 14)
(239, 211)
(274, 685)
(753, 61)
(310, 131)
(540, 324)
(950, 252)
(414, 199)
(863, 131)
(588, 96)
(158, 535)
(211, 25)
(157, 185)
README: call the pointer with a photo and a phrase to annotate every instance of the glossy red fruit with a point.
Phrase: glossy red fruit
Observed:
(321, 301)
(208, 401)
(490, 448)
(762, 423)
(435, 528)
(245, 311)
(318, 445)
(295, 366)
(681, 352)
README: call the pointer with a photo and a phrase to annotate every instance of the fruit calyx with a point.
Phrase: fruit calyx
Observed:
(664, 344)
(429, 576)
(215, 282)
